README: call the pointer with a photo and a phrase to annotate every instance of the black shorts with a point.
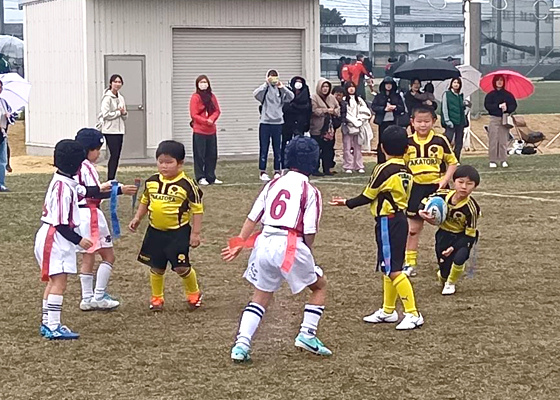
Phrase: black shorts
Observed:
(390, 234)
(162, 247)
(417, 194)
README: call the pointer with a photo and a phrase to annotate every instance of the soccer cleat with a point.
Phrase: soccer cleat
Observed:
(194, 301)
(410, 322)
(348, 171)
(218, 182)
(156, 304)
(61, 332)
(86, 304)
(264, 177)
(505, 164)
(381, 316)
(43, 330)
(493, 165)
(409, 270)
(312, 345)
(203, 182)
(362, 171)
(106, 303)
(240, 353)
(448, 289)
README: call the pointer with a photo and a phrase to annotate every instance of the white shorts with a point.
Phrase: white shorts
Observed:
(57, 258)
(84, 229)
(264, 269)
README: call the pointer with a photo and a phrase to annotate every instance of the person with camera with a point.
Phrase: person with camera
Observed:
(6, 119)
(272, 95)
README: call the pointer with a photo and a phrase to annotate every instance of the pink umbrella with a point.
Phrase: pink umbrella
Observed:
(519, 86)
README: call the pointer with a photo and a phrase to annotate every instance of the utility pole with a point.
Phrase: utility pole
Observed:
(2, 30)
(475, 22)
(499, 36)
(370, 31)
(392, 27)
(537, 33)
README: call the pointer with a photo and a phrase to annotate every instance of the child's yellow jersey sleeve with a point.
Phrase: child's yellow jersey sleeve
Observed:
(145, 198)
(375, 184)
(472, 219)
(195, 198)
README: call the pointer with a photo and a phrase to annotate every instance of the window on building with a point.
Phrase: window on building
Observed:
(329, 38)
(347, 38)
(483, 52)
(433, 38)
(329, 68)
(402, 10)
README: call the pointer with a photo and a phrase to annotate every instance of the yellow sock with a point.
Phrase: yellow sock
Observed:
(456, 272)
(389, 295)
(440, 278)
(157, 281)
(189, 282)
(406, 293)
(411, 257)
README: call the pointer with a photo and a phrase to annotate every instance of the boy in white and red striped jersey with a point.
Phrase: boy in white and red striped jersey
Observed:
(55, 242)
(94, 225)
(289, 209)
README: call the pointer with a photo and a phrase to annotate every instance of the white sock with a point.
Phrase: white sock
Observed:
(45, 313)
(87, 285)
(54, 306)
(311, 316)
(103, 275)
(250, 320)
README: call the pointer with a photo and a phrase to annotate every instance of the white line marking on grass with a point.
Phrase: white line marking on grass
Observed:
(514, 196)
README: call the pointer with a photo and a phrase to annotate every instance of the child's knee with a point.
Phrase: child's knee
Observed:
(157, 271)
(461, 256)
(182, 271)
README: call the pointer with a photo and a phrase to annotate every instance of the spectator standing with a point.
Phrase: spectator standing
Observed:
(499, 103)
(272, 95)
(324, 107)
(205, 111)
(5, 118)
(297, 113)
(113, 116)
(357, 115)
(410, 97)
(453, 115)
(358, 73)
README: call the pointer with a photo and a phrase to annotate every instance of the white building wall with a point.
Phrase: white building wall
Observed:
(55, 65)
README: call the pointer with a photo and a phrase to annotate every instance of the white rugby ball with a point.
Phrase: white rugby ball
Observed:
(437, 208)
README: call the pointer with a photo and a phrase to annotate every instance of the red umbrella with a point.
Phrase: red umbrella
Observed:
(519, 86)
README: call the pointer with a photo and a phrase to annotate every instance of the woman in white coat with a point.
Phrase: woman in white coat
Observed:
(355, 130)
(113, 116)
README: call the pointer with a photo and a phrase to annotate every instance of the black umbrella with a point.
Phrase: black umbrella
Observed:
(427, 69)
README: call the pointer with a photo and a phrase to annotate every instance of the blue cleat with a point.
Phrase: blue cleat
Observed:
(312, 345)
(44, 330)
(240, 353)
(61, 332)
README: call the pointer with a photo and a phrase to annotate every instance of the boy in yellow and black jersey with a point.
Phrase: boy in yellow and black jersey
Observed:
(432, 162)
(458, 234)
(173, 200)
(387, 193)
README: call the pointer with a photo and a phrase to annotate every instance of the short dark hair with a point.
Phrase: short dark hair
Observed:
(467, 171)
(171, 148)
(394, 140)
(338, 89)
(423, 110)
(272, 72)
(360, 57)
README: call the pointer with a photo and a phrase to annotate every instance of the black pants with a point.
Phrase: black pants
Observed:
(445, 240)
(205, 154)
(114, 144)
(456, 134)
(326, 153)
(381, 128)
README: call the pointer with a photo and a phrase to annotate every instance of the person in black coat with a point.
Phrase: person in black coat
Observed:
(297, 113)
(499, 102)
(388, 106)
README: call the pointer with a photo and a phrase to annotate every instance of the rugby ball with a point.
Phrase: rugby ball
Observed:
(437, 208)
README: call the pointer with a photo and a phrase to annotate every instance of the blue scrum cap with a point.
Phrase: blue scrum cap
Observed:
(302, 154)
(90, 138)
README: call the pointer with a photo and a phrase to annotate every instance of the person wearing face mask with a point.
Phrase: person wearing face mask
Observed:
(272, 95)
(297, 113)
(205, 111)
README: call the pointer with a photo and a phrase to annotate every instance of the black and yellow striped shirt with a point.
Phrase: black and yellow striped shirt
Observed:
(427, 158)
(461, 217)
(171, 202)
(389, 187)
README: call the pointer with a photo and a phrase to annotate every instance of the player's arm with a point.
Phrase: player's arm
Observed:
(196, 230)
(372, 190)
(426, 216)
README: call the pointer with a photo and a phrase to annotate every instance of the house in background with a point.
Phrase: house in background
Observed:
(160, 47)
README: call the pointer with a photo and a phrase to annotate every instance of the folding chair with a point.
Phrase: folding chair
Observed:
(530, 137)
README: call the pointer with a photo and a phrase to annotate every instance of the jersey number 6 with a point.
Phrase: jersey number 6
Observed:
(278, 207)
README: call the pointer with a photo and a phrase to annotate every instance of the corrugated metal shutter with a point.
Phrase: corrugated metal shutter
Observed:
(235, 61)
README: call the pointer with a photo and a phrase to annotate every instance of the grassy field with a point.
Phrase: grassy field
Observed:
(497, 338)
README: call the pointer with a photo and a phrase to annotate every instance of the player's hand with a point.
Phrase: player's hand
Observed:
(442, 185)
(133, 225)
(448, 252)
(105, 187)
(231, 253)
(426, 216)
(280, 85)
(129, 189)
(195, 240)
(337, 201)
(86, 244)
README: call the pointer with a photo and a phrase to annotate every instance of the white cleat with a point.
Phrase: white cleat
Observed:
(86, 305)
(410, 322)
(107, 303)
(381, 316)
(264, 177)
(448, 289)
(218, 182)
(203, 182)
(493, 165)
(348, 171)
(505, 164)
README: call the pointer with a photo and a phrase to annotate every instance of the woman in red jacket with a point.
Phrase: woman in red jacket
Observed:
(205, 110)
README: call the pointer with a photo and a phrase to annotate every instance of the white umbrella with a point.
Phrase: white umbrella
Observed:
(15, 90)
(471, 82)
(11, 47)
